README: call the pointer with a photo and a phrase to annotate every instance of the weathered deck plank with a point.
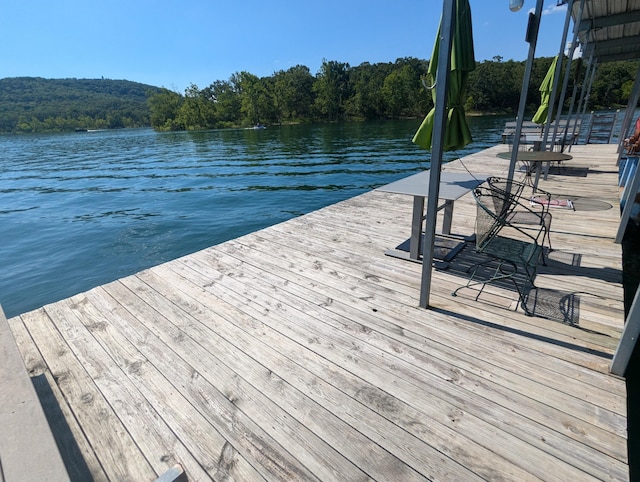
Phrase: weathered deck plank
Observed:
(299, 353)
(120, 457)
(79, 458)
(28, 450)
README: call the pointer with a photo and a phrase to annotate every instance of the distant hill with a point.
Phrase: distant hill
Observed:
(34, 104)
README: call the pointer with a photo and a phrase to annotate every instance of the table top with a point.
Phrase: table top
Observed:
(542, 156)
(453, 185)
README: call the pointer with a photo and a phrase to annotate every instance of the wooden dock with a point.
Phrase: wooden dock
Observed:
(298, 352)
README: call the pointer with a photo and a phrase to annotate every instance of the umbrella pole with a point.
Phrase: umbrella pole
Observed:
(532, 38)
(439, 124)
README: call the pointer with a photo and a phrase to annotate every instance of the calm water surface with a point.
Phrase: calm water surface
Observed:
(79, 210)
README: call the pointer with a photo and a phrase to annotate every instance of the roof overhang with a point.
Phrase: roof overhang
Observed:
(608, 29)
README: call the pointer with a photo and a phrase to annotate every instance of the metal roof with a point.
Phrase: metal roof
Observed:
(610, 29)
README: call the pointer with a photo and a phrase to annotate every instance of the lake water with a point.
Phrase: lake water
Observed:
(81, 209)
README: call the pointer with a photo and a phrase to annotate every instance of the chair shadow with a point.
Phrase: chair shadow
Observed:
(556, 305)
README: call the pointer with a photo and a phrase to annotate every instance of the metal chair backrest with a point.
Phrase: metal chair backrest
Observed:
(492, 209)
(505, 195)
(491, 224)
(515, 211)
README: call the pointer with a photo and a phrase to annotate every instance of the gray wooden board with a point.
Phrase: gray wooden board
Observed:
(317, 343)
(117, 452)
(470, 367)
(117, 382)
(79, 457)
(322, 286)
(28, 450)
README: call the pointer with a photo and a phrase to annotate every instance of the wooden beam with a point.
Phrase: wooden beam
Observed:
(609, 20)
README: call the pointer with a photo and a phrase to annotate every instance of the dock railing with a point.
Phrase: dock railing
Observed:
(567, 133)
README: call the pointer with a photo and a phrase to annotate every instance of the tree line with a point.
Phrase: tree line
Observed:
(339, 92)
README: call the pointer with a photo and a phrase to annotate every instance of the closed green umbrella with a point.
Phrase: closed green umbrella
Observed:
(546, 86)
(457, 134)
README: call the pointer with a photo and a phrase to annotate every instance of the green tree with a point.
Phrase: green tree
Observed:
(609, 84)
(293, 94)
(332, 90)
(337, 92)
(256, 99)
(403, 90)
(226, 97)
(367, 100)
(197, 110)
(39, 104)
(396, 92)
(267, 101)
(495, 86)
(164, 106)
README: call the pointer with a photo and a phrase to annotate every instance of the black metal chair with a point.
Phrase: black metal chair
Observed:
(511, 250)
(521, 214)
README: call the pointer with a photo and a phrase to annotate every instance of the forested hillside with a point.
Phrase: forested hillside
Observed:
(368, 91)
(336, 92)
(33, 104)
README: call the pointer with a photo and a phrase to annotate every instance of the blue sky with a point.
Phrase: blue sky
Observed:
(175, 43)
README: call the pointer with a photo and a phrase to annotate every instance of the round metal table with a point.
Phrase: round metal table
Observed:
(536, 158)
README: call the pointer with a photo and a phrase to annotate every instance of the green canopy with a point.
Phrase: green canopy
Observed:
(457, 134)
(546, 86)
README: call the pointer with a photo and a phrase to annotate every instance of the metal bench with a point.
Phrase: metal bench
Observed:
(532, 134)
